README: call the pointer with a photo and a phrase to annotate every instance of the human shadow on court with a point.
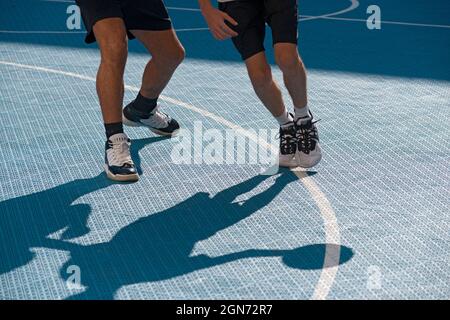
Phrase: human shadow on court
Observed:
(158, 247)
(27, 221)
(154, 248)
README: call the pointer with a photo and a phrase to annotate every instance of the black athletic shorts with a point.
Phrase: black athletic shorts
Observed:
(137, 14)
(252, 16)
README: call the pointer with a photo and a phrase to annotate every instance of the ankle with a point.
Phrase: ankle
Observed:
(113, 128)
(144, 105)
(284, 118)
(302, 112)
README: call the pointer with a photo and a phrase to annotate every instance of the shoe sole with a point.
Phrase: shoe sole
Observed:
(130, 123)
(120, 177)
(291, 164)
(301, 165)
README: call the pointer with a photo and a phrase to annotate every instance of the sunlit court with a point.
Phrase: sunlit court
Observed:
(213, 216)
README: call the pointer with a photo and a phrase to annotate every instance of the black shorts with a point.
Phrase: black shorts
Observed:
(137, 14)
(252, 16)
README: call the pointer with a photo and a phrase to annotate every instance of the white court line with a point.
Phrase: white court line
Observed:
(332, 234)
(170, 8)
(329, 16)
(413, 24)
(354, 4)
(184, 9)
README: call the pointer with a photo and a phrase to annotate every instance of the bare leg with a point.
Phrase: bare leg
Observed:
(112, 39)
(265, 87)
(167, 53)
(308, 152)
(294, 73)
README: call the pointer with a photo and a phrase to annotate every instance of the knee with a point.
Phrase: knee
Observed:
(171, 57)
(288, 61)
(261, 78)
(114, 51)
(178, 55)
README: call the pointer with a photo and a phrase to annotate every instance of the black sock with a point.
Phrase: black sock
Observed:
(113, 128)
(144, 106)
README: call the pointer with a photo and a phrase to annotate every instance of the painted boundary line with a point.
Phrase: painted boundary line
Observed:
(329, 16)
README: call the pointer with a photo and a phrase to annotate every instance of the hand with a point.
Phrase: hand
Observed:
(216, 23)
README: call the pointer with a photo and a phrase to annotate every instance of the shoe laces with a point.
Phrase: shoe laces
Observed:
(307, 136)
(121, 151)
(287, 139)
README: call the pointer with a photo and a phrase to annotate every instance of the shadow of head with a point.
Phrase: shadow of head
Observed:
(317, 256)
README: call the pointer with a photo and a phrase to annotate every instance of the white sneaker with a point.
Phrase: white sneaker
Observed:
(288, 145)
(118, 163)
(158, 122)
(308, 152)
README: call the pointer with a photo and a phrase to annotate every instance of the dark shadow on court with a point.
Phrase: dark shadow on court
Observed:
(26, 221)
(159, 246)
(153, 248)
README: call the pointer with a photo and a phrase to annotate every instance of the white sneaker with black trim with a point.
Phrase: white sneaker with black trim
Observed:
(158, 122)
(118, 163)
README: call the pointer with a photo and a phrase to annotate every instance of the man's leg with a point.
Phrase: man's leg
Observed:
(294, 75)
(308, 152)
(167, 54)
(270, 95)
(264, 85)
(112, 39)
(251, 27)
(283, 20)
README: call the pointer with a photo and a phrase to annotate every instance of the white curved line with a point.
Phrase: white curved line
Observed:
(353, 6)
(170, 8)
(192, 29)
(332, 234)
(329, 16)
(184, 9)
(412, 24)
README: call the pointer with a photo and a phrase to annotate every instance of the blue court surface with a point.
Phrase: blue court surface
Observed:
(371, 221)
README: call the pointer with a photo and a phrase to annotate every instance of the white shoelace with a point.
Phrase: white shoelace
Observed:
(121, 152)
